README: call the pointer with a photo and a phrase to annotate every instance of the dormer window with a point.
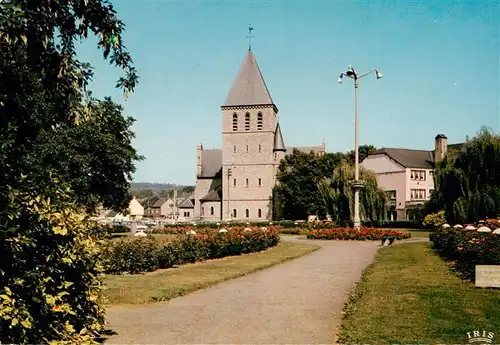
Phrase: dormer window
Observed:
(259, 121)
(247, 121)
(235, 122)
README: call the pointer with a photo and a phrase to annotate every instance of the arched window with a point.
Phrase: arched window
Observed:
(247, 148)
(247, 121)
(259, 213)
(234, 213)
(260, 147)
(234, 182)
(203, 211)
(247, 213)
(260, 182)
(235, 122)
(212, 211)
(247, 183)
(259, 121)
(234, 148)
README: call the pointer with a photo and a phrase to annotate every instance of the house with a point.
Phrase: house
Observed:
(136, 211)
(236, 181)
(407, 175)
(186, 208)
(165, 208)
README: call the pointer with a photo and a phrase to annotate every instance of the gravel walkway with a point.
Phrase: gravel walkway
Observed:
(298, 302)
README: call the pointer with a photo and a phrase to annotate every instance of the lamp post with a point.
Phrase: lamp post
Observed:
(357, 185)
(229, 174)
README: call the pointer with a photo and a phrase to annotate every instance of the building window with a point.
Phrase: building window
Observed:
(259, 213)
(234, 148)
(247, 213)
(275, 155)
(234, 213)
(186, 214)
(418, 194)
(260, 147)
(203, 211)
(234, 182)
(235, 122)
(260, 182)
(417, 175)
(212, 211)
(247, 148)
(259, 121)
(391, 194)
(247, 183)
(247, 121)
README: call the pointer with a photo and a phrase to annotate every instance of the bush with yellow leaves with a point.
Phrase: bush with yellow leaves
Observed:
(50, 291)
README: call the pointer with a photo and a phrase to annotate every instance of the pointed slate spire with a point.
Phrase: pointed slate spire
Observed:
(279, 144)
(249, 87)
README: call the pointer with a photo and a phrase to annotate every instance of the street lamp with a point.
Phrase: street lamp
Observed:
(357, 185)
(229, 174)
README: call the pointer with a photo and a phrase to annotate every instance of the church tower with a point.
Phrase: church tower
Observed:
(249, 125)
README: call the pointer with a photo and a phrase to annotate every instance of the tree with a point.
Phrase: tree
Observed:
(363, 150)
(61, 151)
(338, 196)
(296, 194)
(187, 190)
(467, 182)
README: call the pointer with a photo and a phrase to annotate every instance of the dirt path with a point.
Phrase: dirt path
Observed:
(297, 302)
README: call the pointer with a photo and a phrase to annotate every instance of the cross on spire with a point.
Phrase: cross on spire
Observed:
(250, 36)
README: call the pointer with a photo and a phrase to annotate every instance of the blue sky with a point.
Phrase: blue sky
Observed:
(440, 61)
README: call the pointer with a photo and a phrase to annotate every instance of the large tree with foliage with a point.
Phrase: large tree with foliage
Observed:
(467, 182)
(62, 152)
(297, 194)
(338, 196)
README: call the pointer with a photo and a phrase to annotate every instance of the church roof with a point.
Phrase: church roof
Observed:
(279, 143)
(249, 87)
(212, 195)
(188, 202)
(211, 163)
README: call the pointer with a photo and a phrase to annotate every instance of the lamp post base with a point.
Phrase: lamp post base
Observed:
(357, 185)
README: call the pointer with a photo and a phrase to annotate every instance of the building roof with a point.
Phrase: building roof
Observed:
(111, 214)
(211, 163)
(187, 203)
(422, 159)
(279, 143)
(249, 87)
(160, 202)
(212, 195)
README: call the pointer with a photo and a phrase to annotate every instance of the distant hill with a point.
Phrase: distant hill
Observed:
(155, 187)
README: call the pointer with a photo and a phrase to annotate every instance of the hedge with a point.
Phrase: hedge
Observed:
(363, 234)
(146, 254)
(467, 249)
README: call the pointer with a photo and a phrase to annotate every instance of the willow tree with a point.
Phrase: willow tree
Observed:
(467, 182)
(338, 197)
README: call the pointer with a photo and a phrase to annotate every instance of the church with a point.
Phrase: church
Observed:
(236, 182)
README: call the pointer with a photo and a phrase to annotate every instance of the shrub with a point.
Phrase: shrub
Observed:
(50, 266)
(147, 254)
(434, 220)
(467, 249)
(352, 234)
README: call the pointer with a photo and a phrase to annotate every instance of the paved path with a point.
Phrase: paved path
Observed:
(298, 302)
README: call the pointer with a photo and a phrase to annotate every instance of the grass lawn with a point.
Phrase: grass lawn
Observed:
(410, 296)
(416, 233)
(166, 284)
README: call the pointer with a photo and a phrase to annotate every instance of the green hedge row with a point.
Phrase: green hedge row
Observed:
(146, 254)
(467, 249)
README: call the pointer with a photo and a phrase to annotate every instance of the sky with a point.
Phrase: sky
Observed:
(440, 61)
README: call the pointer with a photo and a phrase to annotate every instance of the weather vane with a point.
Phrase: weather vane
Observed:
(250, 29)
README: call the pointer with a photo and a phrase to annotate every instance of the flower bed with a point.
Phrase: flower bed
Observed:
(352, 234)
(467, 249)
(147, 254)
